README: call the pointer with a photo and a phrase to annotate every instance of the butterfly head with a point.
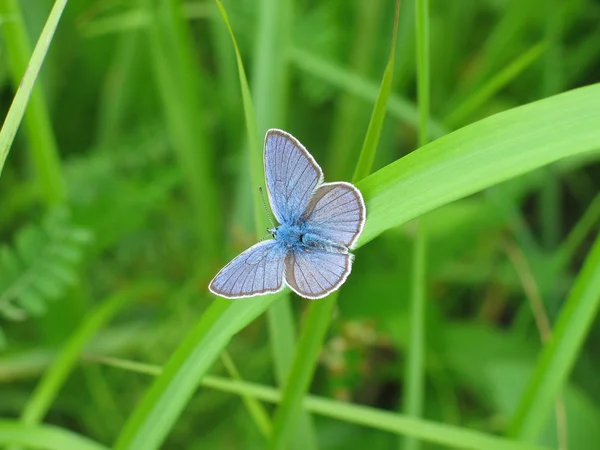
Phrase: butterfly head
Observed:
(272, 232)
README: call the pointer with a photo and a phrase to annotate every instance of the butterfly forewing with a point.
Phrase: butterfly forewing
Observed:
(291, 173)
(314, 274)
(336, 212)
(257, 271)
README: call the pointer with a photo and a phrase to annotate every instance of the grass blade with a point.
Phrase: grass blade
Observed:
(495, 84)
(369, 148)
(343, 146)
(446, 435)
(53, 438)
(39, 129)
(558, 356)
(303, 368)
(255, 408)
(415, 365)
(254, 141)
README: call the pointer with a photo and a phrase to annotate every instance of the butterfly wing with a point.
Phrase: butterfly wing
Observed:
(336, 212)
(314, 274)
(292, 175)
(257, 271)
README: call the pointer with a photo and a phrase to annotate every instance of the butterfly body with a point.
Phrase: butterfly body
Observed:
(300, 237)
(319, 223)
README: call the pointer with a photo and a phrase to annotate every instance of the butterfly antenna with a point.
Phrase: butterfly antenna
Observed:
(265, 205)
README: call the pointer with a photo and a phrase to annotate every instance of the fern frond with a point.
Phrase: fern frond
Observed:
(40, 265)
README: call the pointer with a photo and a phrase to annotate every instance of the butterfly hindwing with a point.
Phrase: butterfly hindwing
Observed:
(314, 274)
(291, 174)
(257, 271)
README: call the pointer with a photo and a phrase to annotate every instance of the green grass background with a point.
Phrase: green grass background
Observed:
(469, 320)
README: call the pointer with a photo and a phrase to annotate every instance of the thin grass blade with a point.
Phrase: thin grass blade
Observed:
(559, 354)
(45, 153)
(369, 148)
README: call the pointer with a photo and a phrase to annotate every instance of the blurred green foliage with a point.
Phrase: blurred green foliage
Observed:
(141, 100)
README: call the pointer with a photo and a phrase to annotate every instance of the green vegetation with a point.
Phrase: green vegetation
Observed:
(130, 161)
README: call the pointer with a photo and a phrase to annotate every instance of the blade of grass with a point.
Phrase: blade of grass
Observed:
(255, 408)
(550, 203)
(51, 437)
(364, 166)
(398, 107)
(116, 92)
(497, 47)
(24, 72)
(304, 365)
(415, 366)
(559, 355)
(590, 218)
(254, 142)
(344, 140)
(56, 375)
(536, 303)
(438, 433)
(179, 87)
(470, 104)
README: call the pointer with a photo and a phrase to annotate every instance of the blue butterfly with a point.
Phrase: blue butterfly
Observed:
(319, 221)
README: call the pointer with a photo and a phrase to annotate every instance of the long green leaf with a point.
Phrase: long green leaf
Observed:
(481, 155)
(44, 436)
(559, 355)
